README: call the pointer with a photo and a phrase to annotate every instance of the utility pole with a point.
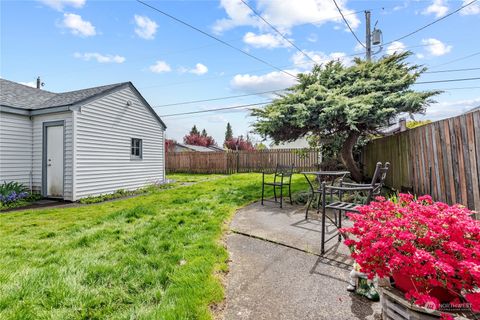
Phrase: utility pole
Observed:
(368, 36)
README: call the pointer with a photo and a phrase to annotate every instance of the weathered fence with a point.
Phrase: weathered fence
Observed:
(241, 161)
(441, 159)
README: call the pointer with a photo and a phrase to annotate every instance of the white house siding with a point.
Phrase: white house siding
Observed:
(37, 151)
(15, 148)
(103, 131)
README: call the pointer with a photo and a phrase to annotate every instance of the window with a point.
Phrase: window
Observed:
(136, 149)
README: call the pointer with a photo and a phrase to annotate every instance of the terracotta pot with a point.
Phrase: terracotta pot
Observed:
(404, 283)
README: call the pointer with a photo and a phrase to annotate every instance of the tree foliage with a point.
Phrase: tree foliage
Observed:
(228, 132)
(194, 131)
(239, 143)
(170, 145)
(194, 137)
(345, 101)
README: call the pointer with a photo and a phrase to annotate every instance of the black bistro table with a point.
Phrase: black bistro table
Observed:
(316, 184)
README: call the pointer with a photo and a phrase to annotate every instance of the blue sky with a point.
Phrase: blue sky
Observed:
(74, 44)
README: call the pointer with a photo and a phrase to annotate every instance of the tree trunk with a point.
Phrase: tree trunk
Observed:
(347, 156)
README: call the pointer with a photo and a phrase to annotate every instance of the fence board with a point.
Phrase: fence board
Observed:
(440, 159)
(241, 161)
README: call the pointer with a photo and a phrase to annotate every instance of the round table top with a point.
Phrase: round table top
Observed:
(327, 173)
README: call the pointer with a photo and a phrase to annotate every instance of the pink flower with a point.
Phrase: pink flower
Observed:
(437, 245)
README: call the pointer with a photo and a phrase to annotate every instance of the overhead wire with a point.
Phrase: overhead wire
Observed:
(280, 90)
(277, 31)
(215, 38)
(348, 25)
(266, 102)
(431, 23)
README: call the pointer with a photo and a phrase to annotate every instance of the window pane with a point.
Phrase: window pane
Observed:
(136, 148)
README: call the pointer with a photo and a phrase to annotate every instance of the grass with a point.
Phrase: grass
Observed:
(154, 256)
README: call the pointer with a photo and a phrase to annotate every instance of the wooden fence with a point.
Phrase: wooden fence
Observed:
(441, 159)
(241, 161)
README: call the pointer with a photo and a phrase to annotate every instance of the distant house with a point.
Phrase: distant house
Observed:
(301, 143)
(180, 147)
(80, 143)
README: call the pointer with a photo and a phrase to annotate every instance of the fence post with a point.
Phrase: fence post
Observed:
(238, 160)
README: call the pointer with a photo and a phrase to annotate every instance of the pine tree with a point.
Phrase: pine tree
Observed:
(336, 102)
(204, 133)
(194, 131)
(228, 132)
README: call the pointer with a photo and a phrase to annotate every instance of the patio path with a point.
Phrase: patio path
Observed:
(276, 271)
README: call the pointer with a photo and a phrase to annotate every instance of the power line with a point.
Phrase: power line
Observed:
(348, 25)
(277, 31)
(448, 80)
(266, 102)
(458, 59)
(279, 90)
(216, 99)
(459, 88)
(453, 70)
(217, 39)
(431, 23)
(217, 109)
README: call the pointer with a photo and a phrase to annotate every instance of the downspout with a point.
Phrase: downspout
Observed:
(31, 156)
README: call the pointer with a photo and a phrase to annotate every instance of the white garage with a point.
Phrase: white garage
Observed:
(80, 143)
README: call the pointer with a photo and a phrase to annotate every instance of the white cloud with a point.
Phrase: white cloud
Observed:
(448, 109)
(32, 84)
(420, 55)
(438, 7)
(217, 119)
(284, 14)
(60, 4)
(436, 47)
(396, 46)
(266, 40)
(304, 63)
(472, 9)
(77, 25)
(146, 28)
(271, 81)
(199, 69)
(100, 58)
(160, 66)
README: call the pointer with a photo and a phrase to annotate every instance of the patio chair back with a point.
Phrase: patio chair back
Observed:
(285, 171)
(378, 180)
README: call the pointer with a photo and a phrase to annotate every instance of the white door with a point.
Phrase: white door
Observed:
(54, 161)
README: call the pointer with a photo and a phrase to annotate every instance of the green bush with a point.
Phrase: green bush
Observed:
(7, 188)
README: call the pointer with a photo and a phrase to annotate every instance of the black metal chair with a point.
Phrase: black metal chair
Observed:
(316, 185)
(281, 177)
(373, 189)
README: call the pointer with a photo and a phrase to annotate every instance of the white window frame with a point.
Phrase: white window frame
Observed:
(133, 147)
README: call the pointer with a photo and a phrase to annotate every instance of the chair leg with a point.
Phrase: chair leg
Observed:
(275, 192)
(322, 251)
(339, 225)
(318, 202)
(281, 195)
(308, 205)
(290, 193)
(263, 192)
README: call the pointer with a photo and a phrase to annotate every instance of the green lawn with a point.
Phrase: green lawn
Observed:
(150, 257)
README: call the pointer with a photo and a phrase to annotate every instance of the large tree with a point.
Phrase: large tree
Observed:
(347, 102)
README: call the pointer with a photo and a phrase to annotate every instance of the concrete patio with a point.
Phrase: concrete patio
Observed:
(276, 271)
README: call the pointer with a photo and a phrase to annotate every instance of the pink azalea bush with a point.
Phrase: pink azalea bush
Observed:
(434, 244)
